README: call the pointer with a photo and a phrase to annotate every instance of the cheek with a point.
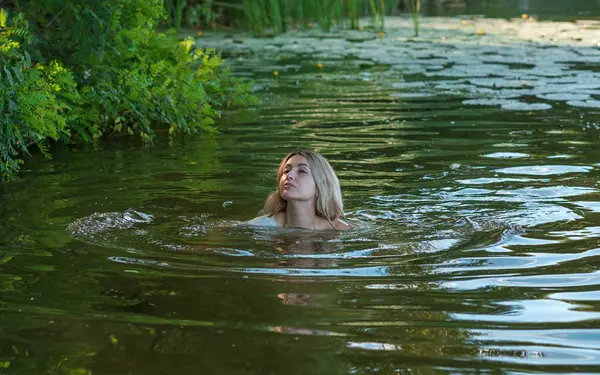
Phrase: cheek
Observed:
(310, 183)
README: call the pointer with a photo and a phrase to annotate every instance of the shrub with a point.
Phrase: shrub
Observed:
(34, 99)
(80, 69)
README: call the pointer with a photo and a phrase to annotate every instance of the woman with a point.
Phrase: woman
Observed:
(308, 195)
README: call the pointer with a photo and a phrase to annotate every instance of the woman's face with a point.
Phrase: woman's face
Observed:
(297, 182)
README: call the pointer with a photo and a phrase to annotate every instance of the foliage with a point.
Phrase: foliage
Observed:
(201, 15)
(34, 99)
(81, 69)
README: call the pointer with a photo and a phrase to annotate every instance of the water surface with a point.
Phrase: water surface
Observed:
(477, 253)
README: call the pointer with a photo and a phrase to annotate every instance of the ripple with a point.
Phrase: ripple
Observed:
(589, 232)
(577, 296)
(533, 311)
(549, 192)
(231, 252)
(545, 170)
(103, 221)
(592, 206)
(487, 101)
(506, 155)
(576, 338)
(508, 145)
(541, 355)
(494, 180)
(534, 281)
(312, 272)
(411, 95)
(379, 346)
(530, 260)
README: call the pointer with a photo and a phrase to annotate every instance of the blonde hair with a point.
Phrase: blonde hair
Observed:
(328, 204)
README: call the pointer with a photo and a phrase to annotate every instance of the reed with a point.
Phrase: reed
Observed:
(415, 11)
(174, 9)
(352, 8)
(275, 16)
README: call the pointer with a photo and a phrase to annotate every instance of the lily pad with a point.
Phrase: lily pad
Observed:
(359, 36)
(586, 104)
(520, 106)
(564, 97)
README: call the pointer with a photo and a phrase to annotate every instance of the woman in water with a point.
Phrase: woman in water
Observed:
(308, 195)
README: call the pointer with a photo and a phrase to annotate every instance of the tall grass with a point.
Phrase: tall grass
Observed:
(353, 10)
(275, 16)
(175, 11)
(415, 11)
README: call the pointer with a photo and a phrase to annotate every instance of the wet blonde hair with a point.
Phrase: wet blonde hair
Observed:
(328, 204)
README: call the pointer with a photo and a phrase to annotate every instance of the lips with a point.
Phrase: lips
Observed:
(288, 185)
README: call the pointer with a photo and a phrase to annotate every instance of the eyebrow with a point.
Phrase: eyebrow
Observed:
(297, 165)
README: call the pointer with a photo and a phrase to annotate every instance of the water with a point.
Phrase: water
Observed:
(477, 252)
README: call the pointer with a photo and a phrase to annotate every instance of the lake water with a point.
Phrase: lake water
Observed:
(470, 160)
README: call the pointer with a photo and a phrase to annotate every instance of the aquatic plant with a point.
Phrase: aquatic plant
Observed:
(175, 11)
(277, 15)
(414, 7)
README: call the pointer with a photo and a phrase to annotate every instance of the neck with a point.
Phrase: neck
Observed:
(300, 215)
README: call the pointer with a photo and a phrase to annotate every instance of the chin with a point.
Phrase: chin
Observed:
(290, 197)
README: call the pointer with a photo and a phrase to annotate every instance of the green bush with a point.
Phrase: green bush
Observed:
(81, 69)
(34, 99)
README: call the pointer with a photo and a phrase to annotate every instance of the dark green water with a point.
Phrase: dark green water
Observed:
(478, 251)
(543, 9)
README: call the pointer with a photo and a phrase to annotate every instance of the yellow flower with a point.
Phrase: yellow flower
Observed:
(464, 22)
(524, 16)
(320, 66)
(381, 34)
(309, 25)
(480, 32)
(275, 73)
